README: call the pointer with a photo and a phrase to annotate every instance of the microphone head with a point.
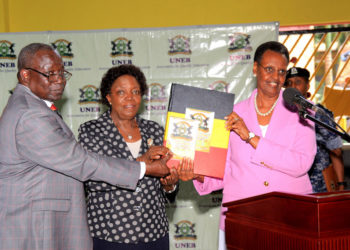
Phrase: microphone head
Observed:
(289, 95)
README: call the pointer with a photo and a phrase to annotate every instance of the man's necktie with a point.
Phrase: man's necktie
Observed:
(53, 108)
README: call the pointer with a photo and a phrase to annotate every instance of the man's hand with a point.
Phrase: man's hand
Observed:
(156, 153)
(157, 168)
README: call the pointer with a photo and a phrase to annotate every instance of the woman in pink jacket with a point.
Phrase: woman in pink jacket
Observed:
(270, 147)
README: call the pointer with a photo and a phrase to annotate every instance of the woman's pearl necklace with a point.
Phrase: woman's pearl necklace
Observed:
(268, 112)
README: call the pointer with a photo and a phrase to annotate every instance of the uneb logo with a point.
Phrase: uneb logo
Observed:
(203, 121)
(6, 50)
(182, 130)
(63, 47)
(238, 42)
(89, 94)
(179, 45)
(121, 47)
(219, 86)
(156, 93)
(185, 230)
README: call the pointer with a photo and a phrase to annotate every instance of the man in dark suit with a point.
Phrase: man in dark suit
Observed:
(42, 204)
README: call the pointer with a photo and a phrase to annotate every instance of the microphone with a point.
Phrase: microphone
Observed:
(292, 96)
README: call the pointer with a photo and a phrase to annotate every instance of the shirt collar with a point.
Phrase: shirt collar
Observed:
(48, 103)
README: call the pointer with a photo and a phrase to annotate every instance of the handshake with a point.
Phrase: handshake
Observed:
(156, 158)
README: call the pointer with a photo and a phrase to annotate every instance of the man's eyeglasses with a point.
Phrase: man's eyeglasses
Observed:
(51, 76)
(271, 70)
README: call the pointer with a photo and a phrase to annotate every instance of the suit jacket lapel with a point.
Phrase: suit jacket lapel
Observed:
(279, 114)
(253, 116)
(144, 136)
(25, 91)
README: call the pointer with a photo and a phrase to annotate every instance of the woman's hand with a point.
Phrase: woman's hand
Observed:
(185, 170)
(237, 125)
(170, 180)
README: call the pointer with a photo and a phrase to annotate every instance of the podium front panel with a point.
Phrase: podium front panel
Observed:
(289, 221)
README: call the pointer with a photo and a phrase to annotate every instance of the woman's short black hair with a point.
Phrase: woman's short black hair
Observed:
(113, 73)
(272, 45)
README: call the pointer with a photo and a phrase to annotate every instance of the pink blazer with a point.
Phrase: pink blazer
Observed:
(279, 163)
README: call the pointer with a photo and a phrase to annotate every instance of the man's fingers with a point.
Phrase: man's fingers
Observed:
(157, 152)
(157, 168)
(167, 157)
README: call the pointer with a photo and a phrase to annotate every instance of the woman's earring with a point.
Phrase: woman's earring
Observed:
(308, 95)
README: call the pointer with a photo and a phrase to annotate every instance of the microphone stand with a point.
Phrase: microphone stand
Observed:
(303, 113)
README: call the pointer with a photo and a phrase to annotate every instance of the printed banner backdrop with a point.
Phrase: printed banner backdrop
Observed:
(211, 57)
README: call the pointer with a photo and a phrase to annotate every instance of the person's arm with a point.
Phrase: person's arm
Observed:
(48, 143)
(294, 158)
(150, 161)
(333, 143)
(338, 165)
(292, 151)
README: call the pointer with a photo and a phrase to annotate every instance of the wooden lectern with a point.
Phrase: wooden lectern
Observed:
(289, 221)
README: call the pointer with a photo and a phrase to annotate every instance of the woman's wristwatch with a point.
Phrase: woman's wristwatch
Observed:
(342, 183)
(172, 190)
(251, 135)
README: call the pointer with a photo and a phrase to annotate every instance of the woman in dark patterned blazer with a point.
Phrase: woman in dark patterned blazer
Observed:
(119, 218)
